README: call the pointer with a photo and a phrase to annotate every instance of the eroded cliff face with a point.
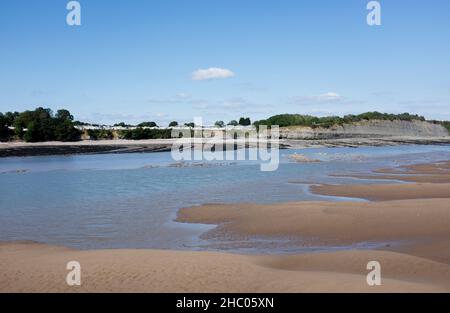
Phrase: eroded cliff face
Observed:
(367, 129)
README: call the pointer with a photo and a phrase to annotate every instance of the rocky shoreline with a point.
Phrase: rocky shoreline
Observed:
(19, 149)
(368, 142)
(25, 150)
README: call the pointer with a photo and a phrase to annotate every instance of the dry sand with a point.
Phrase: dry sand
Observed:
(419, 219)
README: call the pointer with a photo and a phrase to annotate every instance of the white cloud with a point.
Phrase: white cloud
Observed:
(211, 73)
(329, 96)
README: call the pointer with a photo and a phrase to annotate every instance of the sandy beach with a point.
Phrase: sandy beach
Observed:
(40, 268)
(410, 221)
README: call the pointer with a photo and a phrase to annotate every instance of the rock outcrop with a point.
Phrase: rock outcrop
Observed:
(367, 129)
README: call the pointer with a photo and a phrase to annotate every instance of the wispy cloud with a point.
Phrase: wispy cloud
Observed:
(183, 95)
(200, 104)
(211, 73)
(234, 106)
(250, 88)
(235, 103)
(328, 97)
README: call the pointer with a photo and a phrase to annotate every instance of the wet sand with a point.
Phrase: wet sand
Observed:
(41, 268)
(414, 229)
(386, 191)
(425, 181)
(421, 173)
(327, 223)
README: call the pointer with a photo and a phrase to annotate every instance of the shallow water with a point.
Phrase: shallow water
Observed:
(130, 200)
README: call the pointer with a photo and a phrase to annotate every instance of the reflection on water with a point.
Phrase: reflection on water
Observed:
(130, 200)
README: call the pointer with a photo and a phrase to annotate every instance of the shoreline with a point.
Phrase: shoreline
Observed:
(418, 220)
(393, 212)
(22, 149)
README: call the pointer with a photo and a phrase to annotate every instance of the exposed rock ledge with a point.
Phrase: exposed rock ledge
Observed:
(367, 129)
(358, 142)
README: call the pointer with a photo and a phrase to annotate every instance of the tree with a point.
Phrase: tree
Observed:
(145, 133)
(66, 132)
(147, 124)
(219, 124)
(96, 134)
(191, 125)
(244, 121)
(233, 123)
(4, 130)
(173, 124)
(10, 118)
(64, 115)
(2, 119)
(40, 125)
(121, 124)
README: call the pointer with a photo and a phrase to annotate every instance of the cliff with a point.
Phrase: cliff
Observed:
(367, 129)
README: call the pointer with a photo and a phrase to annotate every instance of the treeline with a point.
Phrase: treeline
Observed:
(285, 120)
(38, 125)
(145, 133)
(243, 121)
(43, 125)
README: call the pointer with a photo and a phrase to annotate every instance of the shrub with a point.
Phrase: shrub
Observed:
(145, 133)
(98, 134)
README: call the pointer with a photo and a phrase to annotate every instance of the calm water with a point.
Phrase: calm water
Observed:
(130, 200)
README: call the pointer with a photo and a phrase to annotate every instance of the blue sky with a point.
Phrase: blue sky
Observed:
(133, 60)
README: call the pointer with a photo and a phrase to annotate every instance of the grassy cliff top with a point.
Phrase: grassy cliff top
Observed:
(284, 120)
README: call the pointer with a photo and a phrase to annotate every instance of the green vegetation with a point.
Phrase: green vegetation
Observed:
(220, 124)
(446, 124)
(42, 125)
(285, 120)
(39, 125)
(99, 134)
(145, 133)
(122, 124)
(245, 121)
(78, 123)
(5, 132)
(147, 124)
